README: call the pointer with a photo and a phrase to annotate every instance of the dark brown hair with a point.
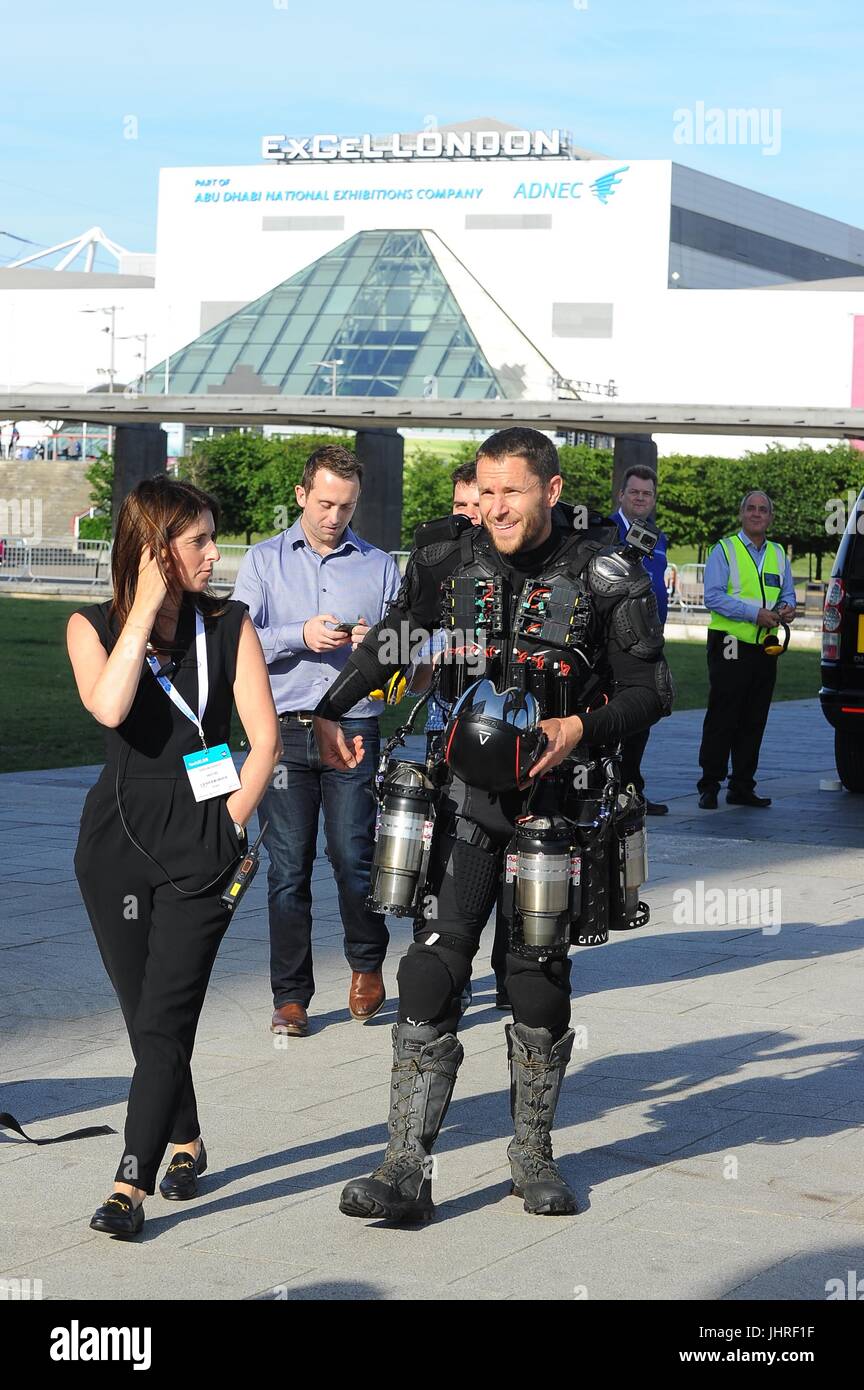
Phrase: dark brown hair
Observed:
(154, 514)
(335, 459)
(465, 473)
(538, 452)
(640, 470)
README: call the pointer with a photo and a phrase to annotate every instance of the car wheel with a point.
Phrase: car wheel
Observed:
(849, 757)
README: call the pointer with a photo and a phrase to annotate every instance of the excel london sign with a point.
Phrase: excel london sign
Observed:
(426, 144)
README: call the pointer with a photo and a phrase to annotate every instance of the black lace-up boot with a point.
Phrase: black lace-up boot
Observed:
(536, 1071)
(424, 1073)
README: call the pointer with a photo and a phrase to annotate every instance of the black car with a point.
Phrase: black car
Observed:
(842, 692)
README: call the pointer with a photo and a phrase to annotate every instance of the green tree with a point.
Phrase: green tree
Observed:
(253, 477)
(100, 476)
(466, 452)
(427, 490)
(229, 466)
(808, 486)
(587, 475)
(697, 498)
(275, 506)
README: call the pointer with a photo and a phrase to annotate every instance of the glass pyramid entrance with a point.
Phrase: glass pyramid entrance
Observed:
(378, 307)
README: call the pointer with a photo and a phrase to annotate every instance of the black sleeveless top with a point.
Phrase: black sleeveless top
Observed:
(155, 735)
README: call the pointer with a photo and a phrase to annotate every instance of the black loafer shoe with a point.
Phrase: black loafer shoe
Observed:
(747, 799)
(708, 801)
(656, 808)
(181, 1176)
(118, 1217)
(502, 998)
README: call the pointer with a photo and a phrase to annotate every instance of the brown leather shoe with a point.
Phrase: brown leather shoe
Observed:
(367, 994)
(291, 1019)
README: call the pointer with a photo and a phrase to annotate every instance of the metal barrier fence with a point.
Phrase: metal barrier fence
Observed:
(85, 566)
(225, 572)
(55, 561)
(685, 585)
(688, 588)
(85, 563)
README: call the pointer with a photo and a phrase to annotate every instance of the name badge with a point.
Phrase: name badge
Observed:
(772, 579)
(211, 772)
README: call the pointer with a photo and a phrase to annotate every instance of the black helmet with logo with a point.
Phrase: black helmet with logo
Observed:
(493, 739)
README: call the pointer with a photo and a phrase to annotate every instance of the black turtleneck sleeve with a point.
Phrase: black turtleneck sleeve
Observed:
(395, 642)
(636, 701)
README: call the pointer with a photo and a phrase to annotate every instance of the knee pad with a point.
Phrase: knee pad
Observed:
(540, 994)
(426, 985)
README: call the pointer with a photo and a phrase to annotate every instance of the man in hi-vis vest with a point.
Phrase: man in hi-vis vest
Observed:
(748, 591)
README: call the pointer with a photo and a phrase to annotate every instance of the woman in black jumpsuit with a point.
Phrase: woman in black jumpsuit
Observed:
(152, 861)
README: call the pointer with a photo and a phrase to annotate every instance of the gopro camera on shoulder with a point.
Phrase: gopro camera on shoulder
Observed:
(641, 538)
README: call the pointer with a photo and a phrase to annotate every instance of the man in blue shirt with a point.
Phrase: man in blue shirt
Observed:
(313, 592)
(637, 500)
(748, 592)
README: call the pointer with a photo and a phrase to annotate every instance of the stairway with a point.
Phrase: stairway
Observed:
(39, 498)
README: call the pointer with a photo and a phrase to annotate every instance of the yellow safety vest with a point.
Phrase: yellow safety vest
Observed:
(746, 582)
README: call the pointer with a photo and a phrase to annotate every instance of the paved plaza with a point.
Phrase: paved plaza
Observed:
(710, 1122)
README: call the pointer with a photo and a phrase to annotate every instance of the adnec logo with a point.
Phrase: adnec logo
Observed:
(601, 188)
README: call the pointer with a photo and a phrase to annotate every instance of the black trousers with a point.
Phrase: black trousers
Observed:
(468, 859)
(501, 940)
(741, 680)
(632, 752)
(157, 946)
(500, 943)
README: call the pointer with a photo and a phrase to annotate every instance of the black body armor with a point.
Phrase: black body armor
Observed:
(543, 635)
(583, 636)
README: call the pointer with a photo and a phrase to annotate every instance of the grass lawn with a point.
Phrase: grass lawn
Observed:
(43, 723)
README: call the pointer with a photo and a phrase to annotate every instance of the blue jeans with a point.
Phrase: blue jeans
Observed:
(302, 786)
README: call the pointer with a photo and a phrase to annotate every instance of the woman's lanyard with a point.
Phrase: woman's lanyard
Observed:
(203, 680)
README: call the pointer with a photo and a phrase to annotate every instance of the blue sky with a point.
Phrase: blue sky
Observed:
(205, 81)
